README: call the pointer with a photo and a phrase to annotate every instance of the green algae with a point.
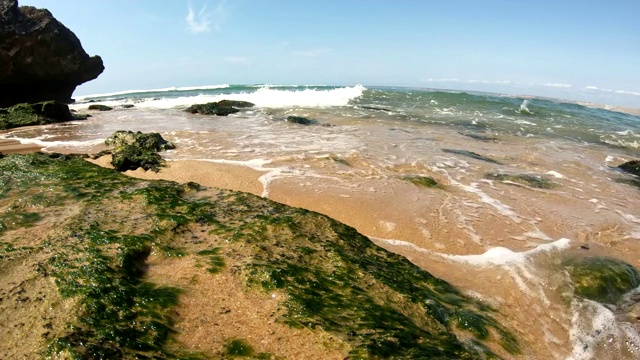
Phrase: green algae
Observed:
(602, 279)
(534, 181)
(238, 348)
(422, 181)
(334, 278)
(216, 262)
(41, 113)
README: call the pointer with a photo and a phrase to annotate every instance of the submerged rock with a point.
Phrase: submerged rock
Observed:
(602, 279)
(320, 274)
(220, 108)
(40, 59)
(534, 181)
(421, 180)
(100, 107)
(472, 155)
(134, 150)
(42, 113)
(299, 120)
(631, 167)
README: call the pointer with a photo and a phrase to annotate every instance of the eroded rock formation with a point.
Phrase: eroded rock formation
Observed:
(40, 59)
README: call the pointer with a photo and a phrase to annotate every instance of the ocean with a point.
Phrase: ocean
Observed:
(519, 184)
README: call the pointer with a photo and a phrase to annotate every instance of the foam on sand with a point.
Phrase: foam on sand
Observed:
(503, 256)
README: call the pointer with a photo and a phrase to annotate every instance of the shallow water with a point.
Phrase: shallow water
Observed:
(502, 241)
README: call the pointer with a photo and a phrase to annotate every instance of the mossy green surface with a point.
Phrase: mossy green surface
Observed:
(134, 150)
(333, 278)
(602, 279)
(631, 167)
(42, 113)
(534, 181)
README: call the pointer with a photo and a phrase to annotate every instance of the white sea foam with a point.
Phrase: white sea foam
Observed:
(593, 326)
(174, 88)
(67, 144)
(265, 96)
(555, 174)
(503, 256)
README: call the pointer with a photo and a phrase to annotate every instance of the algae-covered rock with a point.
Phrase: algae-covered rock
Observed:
(220, 108)
(602, 279)
(100, 107)
(325, 276)
(134, 150)
(631, 167)
(42, 113)
(146, 141)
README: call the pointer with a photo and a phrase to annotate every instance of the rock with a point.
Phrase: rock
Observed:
(100, 107)
(299, 120)
(134, 150)
(631, 167)
(235, 103)
(602, 279)
(146, 141)
(47, 112)
(471, 155)
(40, 59)
(534, 181)
(220, 108)
(127, 106)
(480, 137)
(422, 181)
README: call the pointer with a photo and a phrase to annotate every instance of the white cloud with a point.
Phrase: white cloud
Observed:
(203, 20)
(627, 92)
(311, 53)
(558, 85)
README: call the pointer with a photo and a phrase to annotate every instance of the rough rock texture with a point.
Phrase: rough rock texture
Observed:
(47, 112)
(134, 150)
(40, 59)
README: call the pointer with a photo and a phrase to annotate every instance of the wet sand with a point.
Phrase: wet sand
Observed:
(8, 146)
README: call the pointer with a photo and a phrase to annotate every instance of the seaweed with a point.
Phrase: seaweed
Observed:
(335, 279)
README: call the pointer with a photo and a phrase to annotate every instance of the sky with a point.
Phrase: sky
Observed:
(577, 50)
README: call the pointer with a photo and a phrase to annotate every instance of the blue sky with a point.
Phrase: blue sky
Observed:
(578, 50)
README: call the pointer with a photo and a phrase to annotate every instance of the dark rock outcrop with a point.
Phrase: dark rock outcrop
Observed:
(631, 167)
(220, 108)
(47, 112)
(40, 59)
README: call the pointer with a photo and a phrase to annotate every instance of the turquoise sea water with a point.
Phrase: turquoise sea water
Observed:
(480, 113)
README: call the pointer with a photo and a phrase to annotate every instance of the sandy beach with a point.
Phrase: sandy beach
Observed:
(8, 146)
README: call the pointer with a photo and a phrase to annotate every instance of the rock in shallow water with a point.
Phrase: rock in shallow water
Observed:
(602, 279)
(631, 167)
(40, 59)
